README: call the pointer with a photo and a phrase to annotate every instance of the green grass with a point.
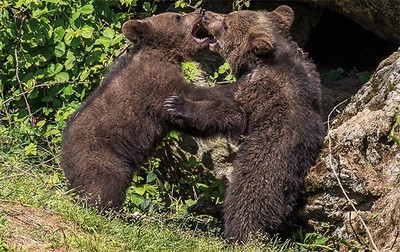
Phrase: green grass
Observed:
(37, 214)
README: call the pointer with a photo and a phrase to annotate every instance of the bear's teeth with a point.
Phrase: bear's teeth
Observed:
(200, 40)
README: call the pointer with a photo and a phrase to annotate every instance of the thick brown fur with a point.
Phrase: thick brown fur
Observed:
(119, 125)
(279, 89)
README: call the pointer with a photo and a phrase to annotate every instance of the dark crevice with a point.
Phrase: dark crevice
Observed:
(344, 53)
(337, 41)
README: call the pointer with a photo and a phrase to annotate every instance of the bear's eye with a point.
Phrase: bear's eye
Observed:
(178, 18)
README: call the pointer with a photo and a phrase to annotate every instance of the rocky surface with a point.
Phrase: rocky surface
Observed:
(367, 161)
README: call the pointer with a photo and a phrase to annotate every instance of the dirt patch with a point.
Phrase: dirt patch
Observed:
(29, 228)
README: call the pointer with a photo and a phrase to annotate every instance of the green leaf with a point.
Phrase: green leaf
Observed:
(46, 99)
(34, 94)
(151, 177)
(321, 240)
(109, 33)
(58, 67)
(69, 35)
(59, 34)
(139, 190)
(87, 31)
(202, 187)
(75, 15)
(150, 189)
(38, 12)
(40, 123)
(145, 204)
(174, 135)
(84, 75)
(106, 42)
(69, 63)
(147, 6)
(136, 199)
(364, 77)
(52, 132)
(62, 77)
(335, 74)
(59, 49)
(68, 90)
(86, 9)
(118, 38)
(71, 60)
(30, 150)
(49, 70)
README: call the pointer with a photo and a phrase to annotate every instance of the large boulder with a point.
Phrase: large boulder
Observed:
(382, 17)
(361, 148)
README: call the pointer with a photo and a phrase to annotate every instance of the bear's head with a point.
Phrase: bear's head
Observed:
(173, 33)
(243, 36)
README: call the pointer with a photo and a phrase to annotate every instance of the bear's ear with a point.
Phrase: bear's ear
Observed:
(284, 16)
(260, 43)
(135, 30)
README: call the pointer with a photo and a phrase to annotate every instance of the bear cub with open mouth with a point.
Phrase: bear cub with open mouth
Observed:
(120, 124)
(279, 90)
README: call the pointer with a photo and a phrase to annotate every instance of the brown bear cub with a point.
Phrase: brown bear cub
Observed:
(119, 125)
(279, 89)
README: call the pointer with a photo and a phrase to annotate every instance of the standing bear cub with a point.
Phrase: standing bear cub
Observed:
(119, 125)
(279, 90)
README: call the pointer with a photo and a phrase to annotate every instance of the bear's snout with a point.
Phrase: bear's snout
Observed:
(208, 16)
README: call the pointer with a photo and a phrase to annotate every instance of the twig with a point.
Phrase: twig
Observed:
(46, 84)
(223, 82)
(122, 50)
(340, 183)
(28, 107)
(315, 246)
(26, 171)
(395, 239)
(16, 175)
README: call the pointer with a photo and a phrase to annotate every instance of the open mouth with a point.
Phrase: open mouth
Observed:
(200, 34)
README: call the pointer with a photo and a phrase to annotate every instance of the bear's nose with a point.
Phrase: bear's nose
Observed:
(206, 15)
(209, 15)
(200, 11)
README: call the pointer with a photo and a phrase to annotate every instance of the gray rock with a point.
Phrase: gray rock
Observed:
(368, 165)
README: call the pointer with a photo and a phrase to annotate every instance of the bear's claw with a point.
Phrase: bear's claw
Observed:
(174, 105)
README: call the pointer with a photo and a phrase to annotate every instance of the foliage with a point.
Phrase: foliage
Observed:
(363, 77)
(194, 4)
(336, 74)
(307, 241)
(53, 54)
(240, 4)
(226, 72)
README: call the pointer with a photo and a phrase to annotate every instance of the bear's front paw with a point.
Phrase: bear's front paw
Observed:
(175, 106)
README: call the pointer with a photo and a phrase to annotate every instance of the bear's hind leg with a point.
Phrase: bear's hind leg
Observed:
(103, 182)
(256, 199)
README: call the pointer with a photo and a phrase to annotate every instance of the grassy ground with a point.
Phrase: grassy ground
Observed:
(36, 214)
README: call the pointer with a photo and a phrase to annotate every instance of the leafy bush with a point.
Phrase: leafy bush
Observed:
(53, 54)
